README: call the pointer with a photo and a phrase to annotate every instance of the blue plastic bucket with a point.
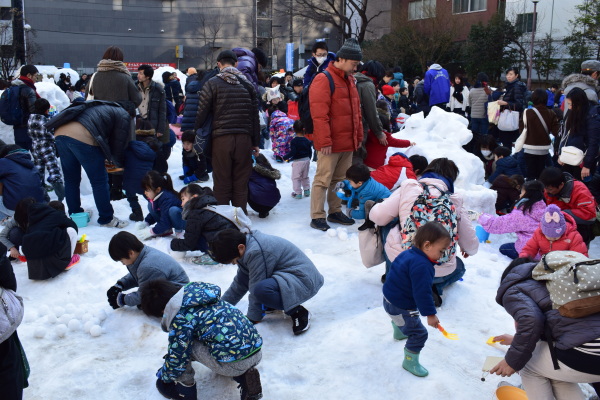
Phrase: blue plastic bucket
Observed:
(80, 219)
(482, 235)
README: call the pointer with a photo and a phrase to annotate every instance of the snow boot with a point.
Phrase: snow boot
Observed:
(411, 364)
(137, 214)
(249, 385)
(176, 390)
(398, 335)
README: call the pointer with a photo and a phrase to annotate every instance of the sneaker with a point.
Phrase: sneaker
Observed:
(204, 259)
(307, 193)
(74, 260)
(136, 215)
(263, 214)
(320, 224)
(278, 159)
(176, 390)
(300, 320)
(204, 178)
(296, 196)
(383, 278)
(249, 385)
(181, 177)
(115, 223)
(340, 218)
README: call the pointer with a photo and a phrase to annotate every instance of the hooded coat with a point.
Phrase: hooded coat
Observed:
(376, 152)
(523, 223)
(281, 130)
(269, 256)
(190, 109)
(247, 64)
(314, 68)
(367, 92)
(587, 83)
(574, 199)
(397, 170)
(528, 302)
(262, 188)
(198, 314)
(200, 223)
(437, 85)
(161, 205)
(19, 178)
(139, 159)
(505, 166)
(539, 245)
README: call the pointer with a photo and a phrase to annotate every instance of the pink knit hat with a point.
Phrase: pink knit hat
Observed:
(553, 222)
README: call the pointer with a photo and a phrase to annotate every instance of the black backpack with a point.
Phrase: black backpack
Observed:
(304, 105)
(11, 112)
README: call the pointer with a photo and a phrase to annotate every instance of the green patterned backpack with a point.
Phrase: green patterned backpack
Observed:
(573, 281)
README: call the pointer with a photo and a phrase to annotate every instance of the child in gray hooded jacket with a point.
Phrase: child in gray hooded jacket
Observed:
(144, 264)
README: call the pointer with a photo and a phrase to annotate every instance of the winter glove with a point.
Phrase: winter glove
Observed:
(144, 234)
(141, 225)
(121, 299)
(190, 179)
(355, 204)
(112, 294)
(339, 186)
(348, 193)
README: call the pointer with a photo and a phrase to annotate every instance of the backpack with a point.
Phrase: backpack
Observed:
(304, 103)
(234, 214)
(11, 313)
(573, 281)
(11, 112)
(428, 208)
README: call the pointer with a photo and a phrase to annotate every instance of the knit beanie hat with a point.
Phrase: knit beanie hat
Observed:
(350, 50)
(553, 222)
(387, 90)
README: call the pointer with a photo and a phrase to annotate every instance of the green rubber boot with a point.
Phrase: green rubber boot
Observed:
(411, 364)
(398, 335)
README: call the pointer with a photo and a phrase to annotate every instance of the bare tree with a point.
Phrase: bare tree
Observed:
(350, 17)
(8, 61)
(210, 23)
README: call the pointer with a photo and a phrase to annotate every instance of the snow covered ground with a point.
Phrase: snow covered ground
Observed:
(347, 354)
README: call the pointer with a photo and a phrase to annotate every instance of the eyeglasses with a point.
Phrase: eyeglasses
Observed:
(321, 54)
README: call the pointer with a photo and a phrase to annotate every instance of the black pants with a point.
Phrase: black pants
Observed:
(12, 377)
(535, 165)
(507, 138)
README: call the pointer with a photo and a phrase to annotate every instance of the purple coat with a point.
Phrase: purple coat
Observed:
(524, 224)
(247, 65)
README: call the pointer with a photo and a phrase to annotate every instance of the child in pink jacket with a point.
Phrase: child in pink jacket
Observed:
(440, 174)
(523, 220)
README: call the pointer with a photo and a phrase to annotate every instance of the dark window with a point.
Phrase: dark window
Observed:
(525, 22)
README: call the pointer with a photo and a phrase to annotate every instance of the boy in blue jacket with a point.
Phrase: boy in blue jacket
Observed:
(505, 164)
(194, 165)
(361, 187)
(204, 328)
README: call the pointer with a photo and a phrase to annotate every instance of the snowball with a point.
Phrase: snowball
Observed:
(483, 272)
(101, 315)
(39, 333)
(87, 326)
(343, 235)
(43, 310)
(51, 319)
(58, 311)
(332, 232)
(65, 318)
(95, 321)
(494, 257)
(70, 308)
(61, 330)
(86, 317)
(96, 330)
(74, 325)
(79, 313)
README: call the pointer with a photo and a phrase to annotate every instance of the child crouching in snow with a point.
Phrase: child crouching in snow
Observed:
(362, 188)
(201, 223)
(263, 193)
(144, 264)
(203, 328)
(164, 207)
(276, 272)
(407, 292)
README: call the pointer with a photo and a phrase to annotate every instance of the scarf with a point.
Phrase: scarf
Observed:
(231, 75)
(448, 182)
(458, 92)
(29, 83)
(110, 65)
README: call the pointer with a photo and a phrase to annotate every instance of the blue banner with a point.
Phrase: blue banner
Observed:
(289, 56)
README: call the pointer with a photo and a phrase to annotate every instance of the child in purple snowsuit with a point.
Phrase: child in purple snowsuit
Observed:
(281, 132)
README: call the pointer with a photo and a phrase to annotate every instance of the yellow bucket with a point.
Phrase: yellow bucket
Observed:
(510, 393)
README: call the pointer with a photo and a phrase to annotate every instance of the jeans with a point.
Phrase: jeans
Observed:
(442, 281)
(74, 155)
(410, 324)
(479, 126)
(508, 249)
(22, 138)
(268, 293)
(177, 223)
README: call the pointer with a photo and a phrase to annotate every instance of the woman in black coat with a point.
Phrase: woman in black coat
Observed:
(13, 377)
(513, 99)
(541, 331)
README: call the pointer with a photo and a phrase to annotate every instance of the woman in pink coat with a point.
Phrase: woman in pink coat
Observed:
(440, 173)
(523, 220)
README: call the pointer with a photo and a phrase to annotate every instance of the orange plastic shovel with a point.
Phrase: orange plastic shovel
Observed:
(451, 336)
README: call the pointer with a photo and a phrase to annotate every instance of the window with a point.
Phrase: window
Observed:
(117, 5)
(466, 6)
(421, 9)
(167, 6)
(525, 22)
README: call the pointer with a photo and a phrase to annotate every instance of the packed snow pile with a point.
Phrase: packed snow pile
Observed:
(180, 75)
(55, 96)
(442, 134)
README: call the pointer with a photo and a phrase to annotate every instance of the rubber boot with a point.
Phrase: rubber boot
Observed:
(398, 335)
(411, 364)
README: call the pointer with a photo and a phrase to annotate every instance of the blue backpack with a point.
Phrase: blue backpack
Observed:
(11, 112)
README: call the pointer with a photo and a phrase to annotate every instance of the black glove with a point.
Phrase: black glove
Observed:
(347, 193)
(112, 295)
(355, 203)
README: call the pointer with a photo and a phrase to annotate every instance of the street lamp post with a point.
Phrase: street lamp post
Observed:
(531, 45)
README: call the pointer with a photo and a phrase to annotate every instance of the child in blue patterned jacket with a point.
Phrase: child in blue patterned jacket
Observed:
(360, 187)
(202, 328)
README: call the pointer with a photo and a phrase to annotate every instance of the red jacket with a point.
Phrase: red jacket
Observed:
(538, 245)
(578, 201)
(337, 119)
(398, 169)
(293, 110)
(376, 151)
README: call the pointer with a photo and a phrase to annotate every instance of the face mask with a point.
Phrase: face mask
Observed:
(321, 60)
(486, 153)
